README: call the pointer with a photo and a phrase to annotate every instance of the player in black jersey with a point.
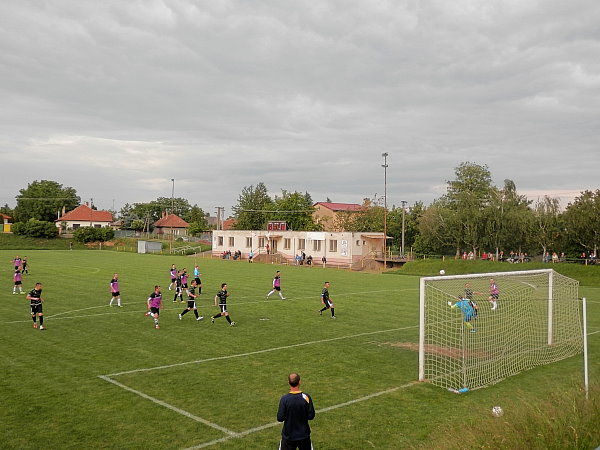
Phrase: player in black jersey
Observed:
(191, 306)
(178, 289)
(469, 296)
(222, 299)
(35, 297)
(327, 303)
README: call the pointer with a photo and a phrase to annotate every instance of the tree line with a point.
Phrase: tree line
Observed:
(473, 215)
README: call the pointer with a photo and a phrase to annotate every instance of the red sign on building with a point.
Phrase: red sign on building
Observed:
(276, 226)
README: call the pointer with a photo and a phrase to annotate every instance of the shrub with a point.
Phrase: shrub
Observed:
(91, 234)
(36, 228)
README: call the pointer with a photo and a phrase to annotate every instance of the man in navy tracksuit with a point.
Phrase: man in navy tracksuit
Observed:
(295, 410)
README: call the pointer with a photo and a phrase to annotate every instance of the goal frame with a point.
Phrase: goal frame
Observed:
(422, 305)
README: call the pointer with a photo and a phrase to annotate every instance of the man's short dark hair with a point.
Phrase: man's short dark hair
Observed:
(223, 285)
(294, 379)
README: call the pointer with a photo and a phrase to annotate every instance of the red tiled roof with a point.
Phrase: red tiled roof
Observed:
(83, 213)
(4, 216)
(171, 221)
(228, 224)
(340, 206)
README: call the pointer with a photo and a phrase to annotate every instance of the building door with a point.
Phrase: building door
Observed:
(273, 246)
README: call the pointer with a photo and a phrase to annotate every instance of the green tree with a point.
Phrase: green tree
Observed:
(467, 196)
(196, 217)
(582, 221)
(43, 200)
(252, 209)
(547, 223)
(508, 220)
(433, 236)
(296, 209)
(137, 225)
(36, 228)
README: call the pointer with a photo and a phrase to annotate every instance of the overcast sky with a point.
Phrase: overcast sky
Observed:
(116, 98)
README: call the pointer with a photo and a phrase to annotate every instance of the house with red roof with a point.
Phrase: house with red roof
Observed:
(84, 216)
(171, 224)
(326, 213)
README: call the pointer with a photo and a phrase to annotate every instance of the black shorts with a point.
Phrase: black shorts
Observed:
(116, 294)
(327, 303)
(184, 285)
(36, 308)
(277, 288)
(303, 444)
(192, 304)
(18, 283)
(494, 296)
(155, 310)
(223, 308)
(197, 280)
(173, 280)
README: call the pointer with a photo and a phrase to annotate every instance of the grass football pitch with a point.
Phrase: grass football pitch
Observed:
(102, 377)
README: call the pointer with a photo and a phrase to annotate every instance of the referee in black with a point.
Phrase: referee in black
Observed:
(295, 410)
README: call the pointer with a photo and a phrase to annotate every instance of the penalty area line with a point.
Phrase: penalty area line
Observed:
(318, 411)
(258, 352)
(168, 406)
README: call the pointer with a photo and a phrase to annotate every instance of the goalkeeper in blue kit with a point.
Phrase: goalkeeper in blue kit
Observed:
(468, 312)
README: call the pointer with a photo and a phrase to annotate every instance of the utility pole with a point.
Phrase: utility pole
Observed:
(403, 211)
(220, 211)
(385, 166)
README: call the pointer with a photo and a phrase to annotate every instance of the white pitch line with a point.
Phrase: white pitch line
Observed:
(318, 411)
(258, 352)
(171, 407)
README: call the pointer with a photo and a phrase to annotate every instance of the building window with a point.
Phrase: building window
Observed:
(248, 242)
(97, 225)
(333, 246)
(76, 225)
(231, 241)
(358, 243)
(316, 246)
(261, 242)
(220, 241)
(301, 244)
(287, 243)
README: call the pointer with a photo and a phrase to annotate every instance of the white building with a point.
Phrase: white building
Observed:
(349, 248)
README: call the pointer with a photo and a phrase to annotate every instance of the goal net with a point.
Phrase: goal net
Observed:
(469, 343)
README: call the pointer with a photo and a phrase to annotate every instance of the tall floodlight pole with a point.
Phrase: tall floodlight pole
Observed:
(173, 196)
(385, 166)
(172, 212)
(403, 210)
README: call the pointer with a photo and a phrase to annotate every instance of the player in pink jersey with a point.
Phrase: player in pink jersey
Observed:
(18, 279)
(154, 305)
(114, 290)
(277, 286)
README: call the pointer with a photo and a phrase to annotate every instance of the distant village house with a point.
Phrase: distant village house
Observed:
(171, 224)
(83, 216)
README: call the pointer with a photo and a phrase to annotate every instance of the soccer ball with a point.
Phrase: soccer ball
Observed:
(442, 272)
(497, 411)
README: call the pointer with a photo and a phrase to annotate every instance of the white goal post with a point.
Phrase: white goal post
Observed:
(471, 335)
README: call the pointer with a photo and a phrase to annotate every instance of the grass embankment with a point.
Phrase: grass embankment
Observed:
(586, 275)
(565, 420)
(15, 242)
